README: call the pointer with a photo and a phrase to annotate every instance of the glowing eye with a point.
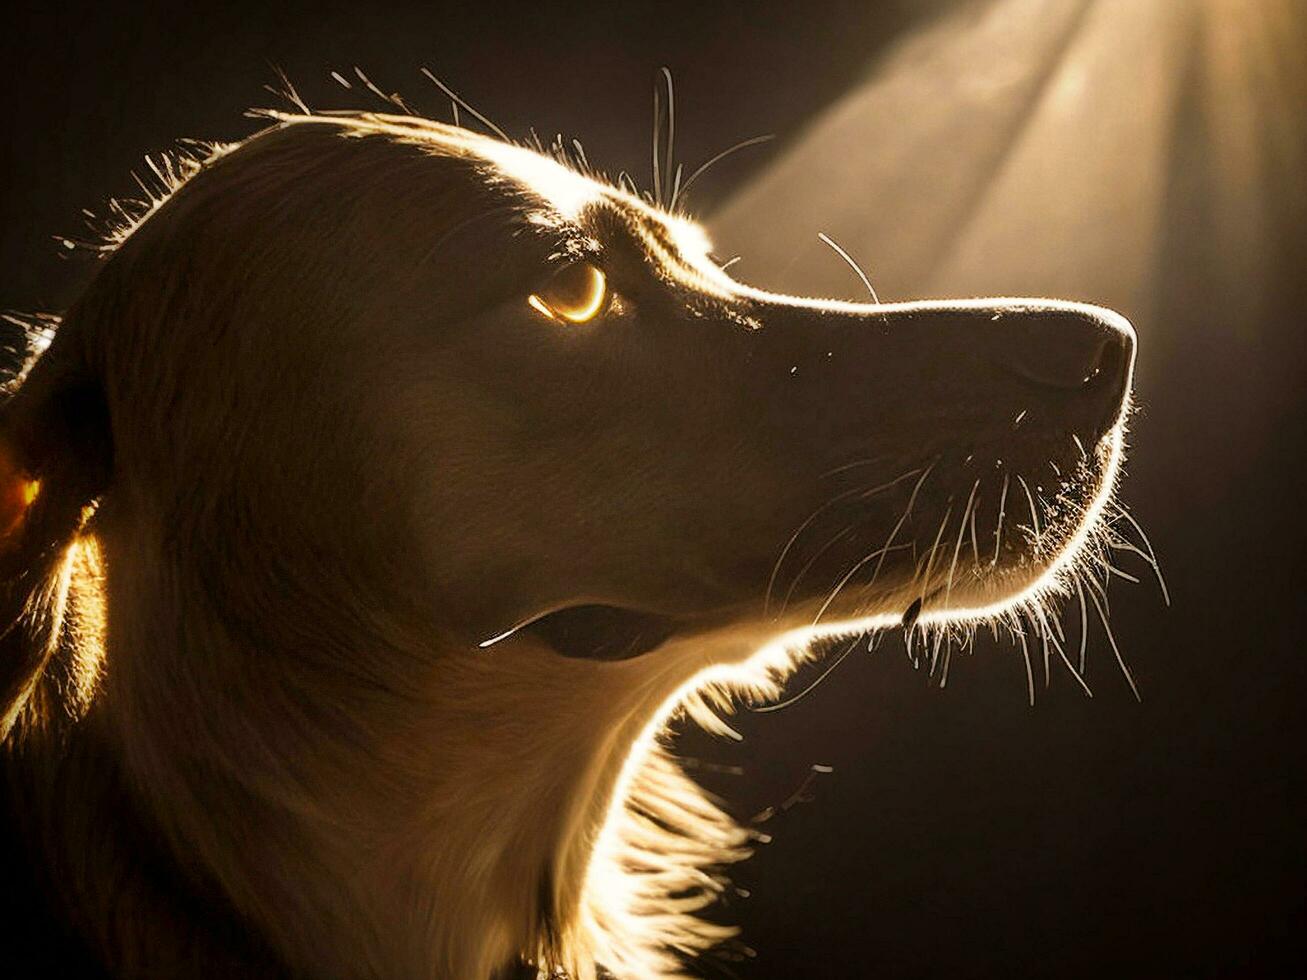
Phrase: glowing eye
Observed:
(576, 294)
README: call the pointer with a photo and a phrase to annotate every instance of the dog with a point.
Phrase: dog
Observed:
(391, 489)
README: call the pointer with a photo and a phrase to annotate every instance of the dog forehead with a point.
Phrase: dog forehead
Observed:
(678, 243)
(572, 194)
(565, 190)
(567, 196)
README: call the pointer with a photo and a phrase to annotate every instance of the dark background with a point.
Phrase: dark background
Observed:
(961, 832)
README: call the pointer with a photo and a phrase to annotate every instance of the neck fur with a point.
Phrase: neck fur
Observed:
(509, 804)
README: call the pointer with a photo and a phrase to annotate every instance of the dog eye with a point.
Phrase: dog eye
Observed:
(575, 294)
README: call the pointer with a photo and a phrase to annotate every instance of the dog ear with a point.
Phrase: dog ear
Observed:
(54, 463)
(17, 492)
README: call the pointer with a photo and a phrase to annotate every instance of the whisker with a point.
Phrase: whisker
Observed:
(975, 548)
(1100, 588)
(656, 169)
(1046, 638)
(1084, 622)
(671, 129)
(1055, 624)
(812, 560)
(930, 558)
(957, 548)
(907, 511)
(935, 648)
(458, 100)
(855, 492)
(948, 657)
(1034, 512)
(852, 265)
(1152, 555)
(580, 155)
(705, 167)
(763, 709)
(1025, 656)
(771, 582)
(392, 99)
(863, 461)
(1118, 543)
(1084, 685)
(1111, 638)
(789, 594)
(1002, 512)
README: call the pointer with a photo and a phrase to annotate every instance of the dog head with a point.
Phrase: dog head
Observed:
(366, 379)
(550, 400)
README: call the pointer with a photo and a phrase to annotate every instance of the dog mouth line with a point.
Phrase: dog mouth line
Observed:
(1033, 532)
(610, 632)
(606, 632)
(594, 631)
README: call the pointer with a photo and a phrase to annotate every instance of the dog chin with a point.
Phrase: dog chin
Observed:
(1041, 567)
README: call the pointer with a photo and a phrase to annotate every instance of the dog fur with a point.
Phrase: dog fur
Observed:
(303, 447)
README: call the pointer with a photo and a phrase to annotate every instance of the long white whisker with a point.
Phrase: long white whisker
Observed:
(1084, 685)
(1034, 511)
(580, 155)
(1046, 637)
(394, 100)
(1025, 656)
(458, 100)
(812, 560)
(1002, 512)
(780, 560)
(975, 548)
(864, 494)
(671, 134)
(656, 168)
(866, 461)
(852, 265)
(1055, 624)
(705, 167)
(1100, 587)
(1107, 628)
(767, 708)
(1084, 622)
(934, 548)
(957, 548)
(941, 632)
(1152, 555)
(907, 511)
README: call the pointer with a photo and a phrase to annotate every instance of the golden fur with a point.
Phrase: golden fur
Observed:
(303, 448)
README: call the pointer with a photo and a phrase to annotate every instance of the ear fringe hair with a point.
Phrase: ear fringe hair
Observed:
(54, 443)
(35, 572)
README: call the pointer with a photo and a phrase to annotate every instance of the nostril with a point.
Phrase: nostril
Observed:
(1059, 364)
(1066, 351)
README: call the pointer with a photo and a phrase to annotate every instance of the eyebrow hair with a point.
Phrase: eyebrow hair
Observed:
(639, 249)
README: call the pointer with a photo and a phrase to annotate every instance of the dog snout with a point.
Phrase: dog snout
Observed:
(1081, 353)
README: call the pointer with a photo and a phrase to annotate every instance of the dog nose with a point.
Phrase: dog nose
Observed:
(1066, 349)
(1085, 351)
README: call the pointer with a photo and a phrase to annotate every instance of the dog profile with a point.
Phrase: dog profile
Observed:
(391, 488)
